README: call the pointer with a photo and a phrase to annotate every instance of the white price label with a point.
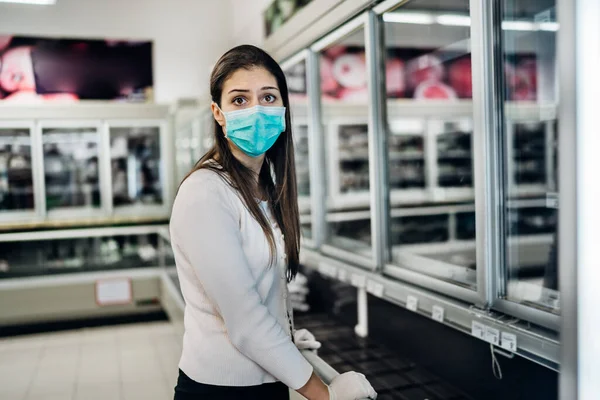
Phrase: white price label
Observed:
(438, 194)
(412, 303)
(437, 313)
(358, 281)
(327, 270)
(333, 272)
(492, 335)
(552, 200)
(114, 292)
(375, 288)
(547, 113)
(343, 275)
(322, 269)
(509, 342)
(478, 330)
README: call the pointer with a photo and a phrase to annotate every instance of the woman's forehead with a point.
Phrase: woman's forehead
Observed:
(249, 79)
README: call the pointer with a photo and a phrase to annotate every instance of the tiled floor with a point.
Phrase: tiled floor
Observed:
(139, 361)
(129, 362)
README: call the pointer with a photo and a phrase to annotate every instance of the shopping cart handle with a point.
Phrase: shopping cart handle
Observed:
(325, 371)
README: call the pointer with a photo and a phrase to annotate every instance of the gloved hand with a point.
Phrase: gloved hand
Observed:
(305, 340)
(351, 386)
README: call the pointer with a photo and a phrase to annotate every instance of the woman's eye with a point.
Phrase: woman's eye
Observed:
(239, 101)
(270, 98)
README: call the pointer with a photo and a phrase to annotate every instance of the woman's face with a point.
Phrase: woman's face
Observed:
(248, 88)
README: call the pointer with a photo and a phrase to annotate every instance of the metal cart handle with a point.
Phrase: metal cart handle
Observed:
(324, 370)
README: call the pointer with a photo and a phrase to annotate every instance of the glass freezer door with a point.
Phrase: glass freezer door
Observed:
(16, 172)
(432, 203)
(72, 168)
(136, 166)
(344, 94)
(296, 76)
(530, 212)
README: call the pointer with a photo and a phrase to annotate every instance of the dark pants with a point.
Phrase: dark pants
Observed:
(188, 389)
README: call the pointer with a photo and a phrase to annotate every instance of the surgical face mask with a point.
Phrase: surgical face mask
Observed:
(254, 130)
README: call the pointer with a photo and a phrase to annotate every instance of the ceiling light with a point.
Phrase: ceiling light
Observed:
(453, 20)
(409, 18)
(36, 2)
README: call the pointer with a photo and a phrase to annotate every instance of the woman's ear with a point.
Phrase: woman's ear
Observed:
(218, 114)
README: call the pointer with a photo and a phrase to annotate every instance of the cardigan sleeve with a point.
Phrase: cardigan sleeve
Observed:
(205, 227)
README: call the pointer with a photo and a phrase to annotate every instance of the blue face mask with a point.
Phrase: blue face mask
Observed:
(254, 130)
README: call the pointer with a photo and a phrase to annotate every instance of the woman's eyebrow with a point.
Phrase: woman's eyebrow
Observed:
(247, 90)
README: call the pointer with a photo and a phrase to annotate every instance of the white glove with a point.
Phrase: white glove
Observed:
(351, 386)
(305, 340)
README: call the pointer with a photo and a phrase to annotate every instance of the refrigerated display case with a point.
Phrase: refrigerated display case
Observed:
(410, 175)
(64, 274)
(84, 164)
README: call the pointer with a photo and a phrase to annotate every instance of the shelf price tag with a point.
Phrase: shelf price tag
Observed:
(509, 342)
(412, 303)
(375, 288)
(547, 113)
(327, 270)
(437, 313)
(552, 200)
(111, 292)
(343, 275)
(358, 281)
(322, 269)
(333, 272)
(478, 330)
(492, 335)
(438, 194)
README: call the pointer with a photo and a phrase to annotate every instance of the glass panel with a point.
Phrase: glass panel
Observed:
(297, 85)
(45, 257)
(454, 154)
(207, 132)
(71, 167)
(136, 166)
(183, 148)
(530, 153)
(16, 177)
(406, 143)
(344, 97)
(430, 129)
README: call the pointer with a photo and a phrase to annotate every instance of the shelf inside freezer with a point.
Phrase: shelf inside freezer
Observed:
(65, 252)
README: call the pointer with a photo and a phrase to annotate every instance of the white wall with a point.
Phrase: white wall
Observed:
(189, 35)
(248, 23)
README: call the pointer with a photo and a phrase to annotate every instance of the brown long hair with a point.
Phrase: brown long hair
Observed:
(278, 173)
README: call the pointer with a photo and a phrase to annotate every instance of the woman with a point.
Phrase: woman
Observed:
(235, 234)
